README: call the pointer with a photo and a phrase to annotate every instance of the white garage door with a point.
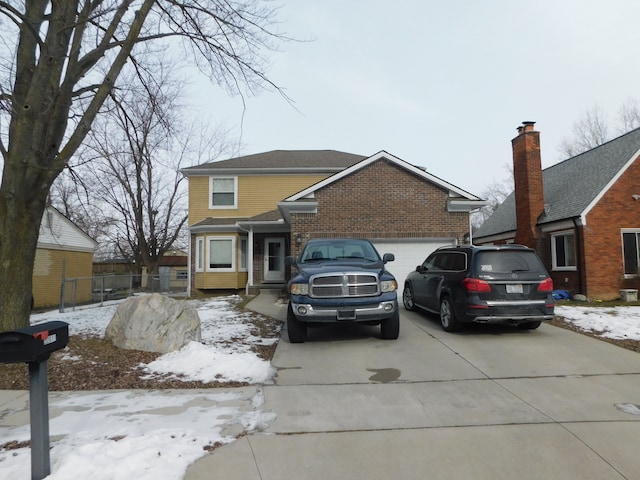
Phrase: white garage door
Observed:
(409, 254)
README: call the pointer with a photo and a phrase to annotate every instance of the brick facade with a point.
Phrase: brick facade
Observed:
(381, 200)
(599, 253)
(604, 269)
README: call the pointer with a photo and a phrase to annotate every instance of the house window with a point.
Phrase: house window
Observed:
(563, 250)
(221, 251)
(181, 275)
(631, 252)
(200, 254)
(243, 253)
(224, 192)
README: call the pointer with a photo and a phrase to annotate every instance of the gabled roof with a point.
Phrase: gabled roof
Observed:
(572, 187)
(57, 232)
(279, 161)
(453, 190)
(303, 201)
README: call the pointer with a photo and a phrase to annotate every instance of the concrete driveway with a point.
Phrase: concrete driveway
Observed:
(492, 402)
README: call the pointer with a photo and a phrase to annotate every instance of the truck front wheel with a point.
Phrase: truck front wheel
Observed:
(296, 329)
(390, 328)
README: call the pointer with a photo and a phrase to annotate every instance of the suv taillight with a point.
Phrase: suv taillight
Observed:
(476, 285)
(546, 285)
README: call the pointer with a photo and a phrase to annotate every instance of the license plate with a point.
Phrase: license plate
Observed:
(346, 314)
(514, 288)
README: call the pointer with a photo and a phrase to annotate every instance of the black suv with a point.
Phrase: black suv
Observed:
(488, 284)
(341, 280)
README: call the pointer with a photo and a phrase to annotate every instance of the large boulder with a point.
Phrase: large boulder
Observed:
(153, 323)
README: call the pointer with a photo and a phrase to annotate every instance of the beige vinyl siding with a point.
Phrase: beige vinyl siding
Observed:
(256, 194)
(228, 280)
(47, 275)
(198, 199)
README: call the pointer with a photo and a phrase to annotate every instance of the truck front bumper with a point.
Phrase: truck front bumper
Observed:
(345, 313)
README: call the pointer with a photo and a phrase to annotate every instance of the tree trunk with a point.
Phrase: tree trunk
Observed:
(19, 227)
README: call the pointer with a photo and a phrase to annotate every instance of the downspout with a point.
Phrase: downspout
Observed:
(189, 269)
(579, 258)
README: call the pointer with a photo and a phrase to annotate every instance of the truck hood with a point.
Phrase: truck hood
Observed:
(315, 268)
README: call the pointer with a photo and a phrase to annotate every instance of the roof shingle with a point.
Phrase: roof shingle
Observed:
(570, 186)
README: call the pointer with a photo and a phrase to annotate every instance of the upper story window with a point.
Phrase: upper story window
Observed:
(631, 252)
(563, 250)
(223, 192)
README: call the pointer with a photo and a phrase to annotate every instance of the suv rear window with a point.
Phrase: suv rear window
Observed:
(508, 261)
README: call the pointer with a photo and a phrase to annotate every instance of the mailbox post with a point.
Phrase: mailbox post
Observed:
(34, 345)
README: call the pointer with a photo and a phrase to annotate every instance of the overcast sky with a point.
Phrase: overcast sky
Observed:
(440, 84)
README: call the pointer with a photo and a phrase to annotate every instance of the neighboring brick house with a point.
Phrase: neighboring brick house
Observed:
(582, 215)
(63, 250)
(247, 213)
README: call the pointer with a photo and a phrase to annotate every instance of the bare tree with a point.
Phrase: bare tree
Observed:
(67, 56)
(628, 116)
(589, 131)
(130, 167)
(494, 193)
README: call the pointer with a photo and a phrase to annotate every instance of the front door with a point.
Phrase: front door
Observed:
(274, 260)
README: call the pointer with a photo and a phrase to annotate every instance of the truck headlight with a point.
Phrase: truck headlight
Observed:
(299, 289)
(388, 286)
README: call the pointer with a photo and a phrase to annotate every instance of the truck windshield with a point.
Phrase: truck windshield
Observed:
(339, 250)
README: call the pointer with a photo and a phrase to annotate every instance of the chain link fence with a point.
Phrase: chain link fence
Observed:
(104, 287)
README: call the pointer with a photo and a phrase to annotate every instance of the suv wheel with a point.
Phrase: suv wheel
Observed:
(390, 328)
(296, 329)
(407, 298)
(448, 315)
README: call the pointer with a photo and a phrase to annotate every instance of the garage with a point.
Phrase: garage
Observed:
(409, 254)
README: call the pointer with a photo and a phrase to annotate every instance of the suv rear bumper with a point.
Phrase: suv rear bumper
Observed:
(306, 312)
(510, 318)
(509, 311)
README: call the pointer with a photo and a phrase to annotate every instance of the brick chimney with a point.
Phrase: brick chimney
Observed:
(527, 176)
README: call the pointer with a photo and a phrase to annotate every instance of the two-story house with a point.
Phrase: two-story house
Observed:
(582, 215)
(247, 213)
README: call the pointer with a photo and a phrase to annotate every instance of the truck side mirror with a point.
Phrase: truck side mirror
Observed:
(388, 257)
(290, 261)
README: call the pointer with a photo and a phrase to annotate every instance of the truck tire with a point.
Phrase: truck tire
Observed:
(390, 328)
(296, 330)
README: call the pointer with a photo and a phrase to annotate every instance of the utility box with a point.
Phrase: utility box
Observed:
(629, 295)
(34, 343)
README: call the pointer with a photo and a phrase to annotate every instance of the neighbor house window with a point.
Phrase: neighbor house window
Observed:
(181, 275)
(221, 251)
(631, 251)
(224, 192)
(199, 254)
(243, 253)
(563, 250)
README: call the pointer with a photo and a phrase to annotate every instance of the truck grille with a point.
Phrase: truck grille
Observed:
(344, 285)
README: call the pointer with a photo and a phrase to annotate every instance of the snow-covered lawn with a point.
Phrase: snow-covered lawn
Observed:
(151, 435)
(620, 323)
(155, 435)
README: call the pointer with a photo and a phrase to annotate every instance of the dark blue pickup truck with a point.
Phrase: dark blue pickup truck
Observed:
(341, 280)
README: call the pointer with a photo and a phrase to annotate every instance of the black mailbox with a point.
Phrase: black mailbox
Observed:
(34, 343)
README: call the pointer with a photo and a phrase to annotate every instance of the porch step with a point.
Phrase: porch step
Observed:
(273, 287)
